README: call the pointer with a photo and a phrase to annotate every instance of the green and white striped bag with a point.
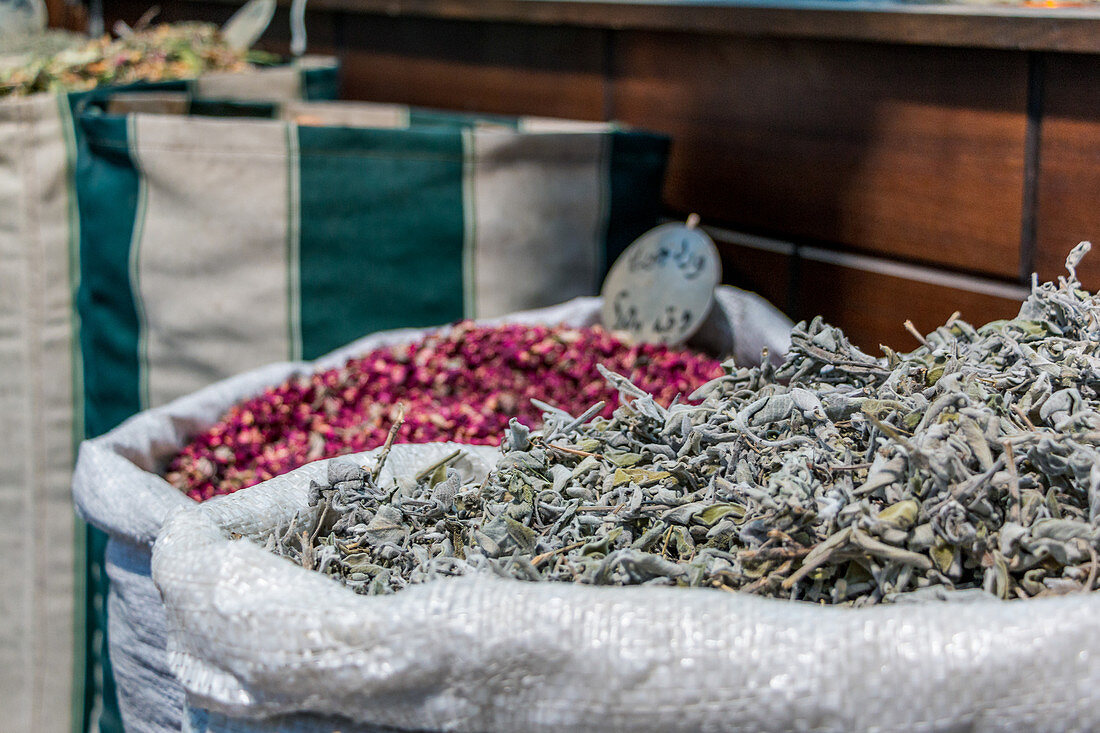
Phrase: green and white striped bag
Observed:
(41, 398)
(214, 246)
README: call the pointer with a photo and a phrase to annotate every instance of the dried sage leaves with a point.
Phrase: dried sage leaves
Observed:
(969, 467)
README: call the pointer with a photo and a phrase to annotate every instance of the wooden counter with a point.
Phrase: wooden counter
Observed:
(869, 162)
(971, 26)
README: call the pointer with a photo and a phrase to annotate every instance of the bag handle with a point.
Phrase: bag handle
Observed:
(297, 28)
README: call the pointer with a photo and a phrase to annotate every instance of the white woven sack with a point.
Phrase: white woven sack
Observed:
(41, 399)
(118, 487)
(260, 643)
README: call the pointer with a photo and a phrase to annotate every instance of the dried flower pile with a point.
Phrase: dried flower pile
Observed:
(460, 384)
(165, 52)
(971, 464)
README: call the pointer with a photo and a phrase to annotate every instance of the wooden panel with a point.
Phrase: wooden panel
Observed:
(871, 306)
(940, 24)
(763, 272)
(1069, 171)
(910, 152)
(63, 14)
(485, 67)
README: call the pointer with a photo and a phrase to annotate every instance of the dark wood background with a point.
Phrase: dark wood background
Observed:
(870, 167)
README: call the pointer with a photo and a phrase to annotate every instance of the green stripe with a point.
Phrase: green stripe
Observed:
(436, 118)
(637, 169)
(231, 108)
(322, 83)
(107, 189)
(69, 134)
(469, 209)
(293, 246)
(79, 670)
(80, 624)
(381, 231)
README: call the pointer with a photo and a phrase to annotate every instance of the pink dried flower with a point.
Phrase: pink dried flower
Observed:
(460, 384)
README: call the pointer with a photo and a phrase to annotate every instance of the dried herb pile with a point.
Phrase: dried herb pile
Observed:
(971, 464)
(161, 53)
(460, 384)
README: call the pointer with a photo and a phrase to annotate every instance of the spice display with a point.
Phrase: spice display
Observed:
(164, 52)
(459, 384)
(970, 465)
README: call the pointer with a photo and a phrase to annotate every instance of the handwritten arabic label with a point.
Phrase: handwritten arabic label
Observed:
(662, 287)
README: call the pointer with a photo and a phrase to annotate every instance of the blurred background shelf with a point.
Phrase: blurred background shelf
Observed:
(1053, 25)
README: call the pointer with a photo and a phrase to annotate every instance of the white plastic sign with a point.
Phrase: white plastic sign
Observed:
(662, 287)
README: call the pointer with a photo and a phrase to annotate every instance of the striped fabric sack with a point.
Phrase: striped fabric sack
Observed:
(212, 246)
(41, 399)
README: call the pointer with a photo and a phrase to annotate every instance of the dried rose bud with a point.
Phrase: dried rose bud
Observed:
(461, 384)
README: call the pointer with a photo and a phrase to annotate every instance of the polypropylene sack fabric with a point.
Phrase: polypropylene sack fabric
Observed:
(119, 490)
(259, 643)
(41, 400)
